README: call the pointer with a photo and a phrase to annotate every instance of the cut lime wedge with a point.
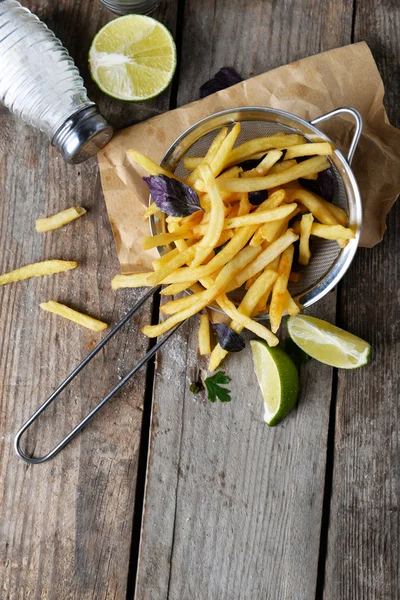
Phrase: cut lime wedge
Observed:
(327, 343)
(133, 58)
(278, 379)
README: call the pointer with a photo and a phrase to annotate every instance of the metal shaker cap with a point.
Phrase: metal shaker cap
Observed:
(82, 135)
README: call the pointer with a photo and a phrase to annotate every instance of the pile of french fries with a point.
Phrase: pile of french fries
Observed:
(231, 243)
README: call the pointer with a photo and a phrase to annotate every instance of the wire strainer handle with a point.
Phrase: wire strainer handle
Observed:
(357, 132)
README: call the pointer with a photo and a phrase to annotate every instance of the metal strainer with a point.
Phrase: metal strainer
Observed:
(329, 263)
(326, 268)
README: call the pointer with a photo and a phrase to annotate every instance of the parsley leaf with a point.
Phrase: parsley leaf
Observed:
(214, 389)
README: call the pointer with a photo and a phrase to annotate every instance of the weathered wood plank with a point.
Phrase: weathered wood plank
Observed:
(363, 552)
(233, 509)
(65, 527)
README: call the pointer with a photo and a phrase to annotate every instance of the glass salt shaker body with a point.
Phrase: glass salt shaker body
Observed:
(40, 83)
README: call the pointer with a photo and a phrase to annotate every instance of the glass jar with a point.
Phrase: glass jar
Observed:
(126, 7)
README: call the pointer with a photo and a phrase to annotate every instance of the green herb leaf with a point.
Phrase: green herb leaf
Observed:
(214, 389)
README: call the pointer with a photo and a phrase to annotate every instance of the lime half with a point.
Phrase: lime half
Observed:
(133, 58)
(327, 343)
(278, 379)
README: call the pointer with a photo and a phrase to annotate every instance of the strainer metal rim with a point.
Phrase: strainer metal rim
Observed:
(346, 255)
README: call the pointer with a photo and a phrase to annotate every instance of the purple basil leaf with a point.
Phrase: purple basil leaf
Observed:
(173, 197)
(228, 339)
(221, 80)
(257, 198)
(324, 186)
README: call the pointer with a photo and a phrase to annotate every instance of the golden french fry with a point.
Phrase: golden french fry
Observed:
(232, 172)
(130, 281)
(323, 148)
(250, 282)
(265, 165)
(263, 283)
(313, 203)
(272, 214)
(217, 215)
(162, 239)
(211, 152)
(271, 231)
(257, 238)
(224, 276)
(312, 177)
(265, 257)
(246, 322)
(190, 163)
(149, 165)
(45, 267)
(60, 219)
(247, 149)
(292, 308)
(244, 205)
(185, 255)
(279, 291)
(328, 232)
(73, 315)
(164, 259)
(152, 210)
(254, 184)
(305, 232)
(176, 288)
(218, 163)
(282, 166)
(204, 335)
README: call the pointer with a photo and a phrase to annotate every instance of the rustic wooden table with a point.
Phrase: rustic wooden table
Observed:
(233, 510)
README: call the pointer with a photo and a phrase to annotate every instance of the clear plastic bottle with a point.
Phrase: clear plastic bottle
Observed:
(40, 83)
(125, 7)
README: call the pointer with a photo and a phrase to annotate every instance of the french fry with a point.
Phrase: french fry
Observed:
(323, 148)
(232, 172)
(261, 306)
(271, 231)
(217, 215)
(292, 308)
(279, 297)
(184, 256)
(204, 336)
(162, 239)
(282, 166)
(244, 205)
(257, 238)
(151, 210)
(250, 282)
(176, 288)
(164, 259)
(131, 281)
(73, 315)
(247, 149)
(272, 214)
(246, 307)
(254, 184)
(190, 163)
(211, 152)
(46, 267)
(328, 232)
(241, 259)
(305, 232)
(60, 219)
(313, 203)
(218, 163)
(246, 322)
(265, 165)
(149, 165)
(265, 257)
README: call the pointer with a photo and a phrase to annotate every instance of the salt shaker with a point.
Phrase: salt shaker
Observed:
(40, 83)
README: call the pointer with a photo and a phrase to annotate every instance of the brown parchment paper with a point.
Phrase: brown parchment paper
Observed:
(346, 76)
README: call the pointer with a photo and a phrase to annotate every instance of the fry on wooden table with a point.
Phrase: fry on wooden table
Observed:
(45, 267)
(73, 315)
(204, 335)
(59, 219)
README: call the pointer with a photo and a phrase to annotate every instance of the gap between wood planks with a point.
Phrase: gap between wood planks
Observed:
(141, 477)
